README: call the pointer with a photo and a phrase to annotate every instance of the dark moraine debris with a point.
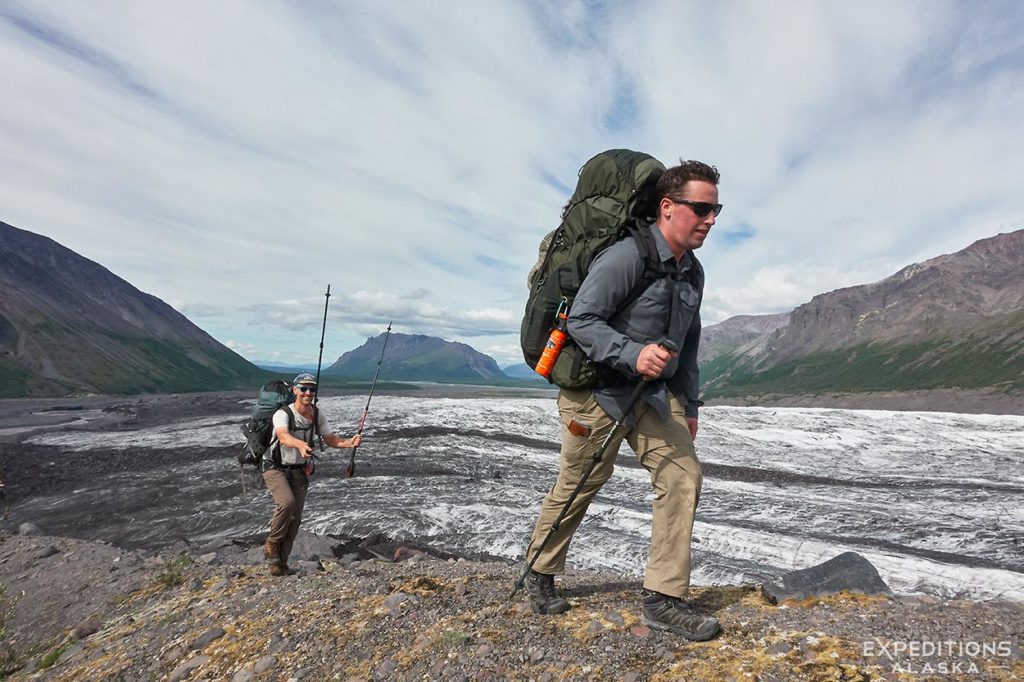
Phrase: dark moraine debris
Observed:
(848, 571)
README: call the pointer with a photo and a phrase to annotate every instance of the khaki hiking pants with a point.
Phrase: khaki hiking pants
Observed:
(664, 448)
(288, 487)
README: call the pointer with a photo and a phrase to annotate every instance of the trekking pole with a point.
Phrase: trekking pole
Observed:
(598, 456)
(314, 433)
(350, 470)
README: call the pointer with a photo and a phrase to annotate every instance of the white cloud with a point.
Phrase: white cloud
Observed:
(371, 311)
(235, 157)
(241, 348)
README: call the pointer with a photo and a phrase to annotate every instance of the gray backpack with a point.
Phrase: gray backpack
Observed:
(259, 429)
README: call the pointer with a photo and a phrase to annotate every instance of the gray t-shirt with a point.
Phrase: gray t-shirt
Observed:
(301, 431)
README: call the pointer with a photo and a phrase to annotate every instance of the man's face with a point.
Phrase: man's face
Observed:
(304, 394)
(683, 229)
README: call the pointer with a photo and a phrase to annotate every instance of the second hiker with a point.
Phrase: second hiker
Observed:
(285, 475)
(662, 427)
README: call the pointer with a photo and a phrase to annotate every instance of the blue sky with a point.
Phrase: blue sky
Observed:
(233, 158)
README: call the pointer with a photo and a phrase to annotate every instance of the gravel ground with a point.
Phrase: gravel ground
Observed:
(90, 611)
(78, 610)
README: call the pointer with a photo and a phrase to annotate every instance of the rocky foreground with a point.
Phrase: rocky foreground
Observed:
(75, 610)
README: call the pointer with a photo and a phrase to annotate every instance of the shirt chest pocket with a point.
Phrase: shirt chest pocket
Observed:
(686, 304)
(688, 295)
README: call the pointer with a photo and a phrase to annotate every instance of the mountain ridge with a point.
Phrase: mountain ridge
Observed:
(68, 325)
(953, 321)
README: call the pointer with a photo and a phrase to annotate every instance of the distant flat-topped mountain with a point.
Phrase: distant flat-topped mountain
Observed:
(414, 357)
(952, 322)
(70, 326)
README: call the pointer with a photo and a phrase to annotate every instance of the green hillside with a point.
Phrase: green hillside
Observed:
(981, 358)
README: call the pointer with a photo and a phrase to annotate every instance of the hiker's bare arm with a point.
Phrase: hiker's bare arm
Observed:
(336, 441)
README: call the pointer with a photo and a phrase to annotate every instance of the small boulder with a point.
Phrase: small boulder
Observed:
(848, 571)
(186, 668)
(44, 552)
(89, 626)
(310, 547)
(29, 529)
(406, 553)
(641, 631)
(244, 675)
(207, 637)
(372, 539)
(394, 602)
(264, 664)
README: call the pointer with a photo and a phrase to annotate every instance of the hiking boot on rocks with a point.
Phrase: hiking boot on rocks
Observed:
(663, 612)
(543, 596)
(272, 553)
(280, 570)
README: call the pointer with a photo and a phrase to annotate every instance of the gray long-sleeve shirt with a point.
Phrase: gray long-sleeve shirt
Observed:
(668, 309)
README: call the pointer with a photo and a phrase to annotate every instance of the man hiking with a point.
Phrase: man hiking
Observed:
(288, 481)
(632, 345)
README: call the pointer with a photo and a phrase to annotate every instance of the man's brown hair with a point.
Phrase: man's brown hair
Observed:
(672, 181)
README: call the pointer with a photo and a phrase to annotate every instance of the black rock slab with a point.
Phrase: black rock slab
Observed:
(848, 571)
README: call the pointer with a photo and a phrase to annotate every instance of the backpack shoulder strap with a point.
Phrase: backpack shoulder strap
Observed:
(653, 268)
(275, 444)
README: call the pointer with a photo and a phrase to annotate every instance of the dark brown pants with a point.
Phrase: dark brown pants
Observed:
(288, 487)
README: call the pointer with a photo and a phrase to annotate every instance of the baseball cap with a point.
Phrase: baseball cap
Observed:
(304, 378)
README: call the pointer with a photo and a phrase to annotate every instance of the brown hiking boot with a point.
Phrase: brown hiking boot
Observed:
(272, 553)
(672, 614)
(544, 597)
(280, 570)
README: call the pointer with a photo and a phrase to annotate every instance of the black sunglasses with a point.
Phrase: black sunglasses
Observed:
(305, 389)
(701, 208)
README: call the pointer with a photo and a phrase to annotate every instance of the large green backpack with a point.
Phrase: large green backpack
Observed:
(614, 198)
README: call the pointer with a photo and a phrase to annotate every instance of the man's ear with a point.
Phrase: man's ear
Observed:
(664, 204)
